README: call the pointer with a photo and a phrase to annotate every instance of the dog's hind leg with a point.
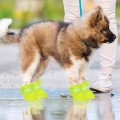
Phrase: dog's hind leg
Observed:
(30, 64)
(40, 70)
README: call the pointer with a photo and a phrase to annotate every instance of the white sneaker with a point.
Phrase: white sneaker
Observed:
(104, 84)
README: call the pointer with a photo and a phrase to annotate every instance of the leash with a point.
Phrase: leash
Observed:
(80, 8)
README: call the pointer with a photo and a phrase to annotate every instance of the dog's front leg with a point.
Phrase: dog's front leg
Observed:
(76, 72)
(72, 74)
(82, 75)
(78, 86)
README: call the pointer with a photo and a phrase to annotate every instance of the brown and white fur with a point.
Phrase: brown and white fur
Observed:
(70, 44)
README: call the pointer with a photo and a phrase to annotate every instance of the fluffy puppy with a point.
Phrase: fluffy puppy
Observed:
(70, 44)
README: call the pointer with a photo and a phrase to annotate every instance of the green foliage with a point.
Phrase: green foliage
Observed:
(53, 9)
(118, 10)
(22, 20)
(6, 8)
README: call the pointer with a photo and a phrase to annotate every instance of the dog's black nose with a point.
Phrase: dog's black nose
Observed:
(114, 37)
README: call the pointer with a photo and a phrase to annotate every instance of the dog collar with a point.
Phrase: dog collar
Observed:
(86, 43)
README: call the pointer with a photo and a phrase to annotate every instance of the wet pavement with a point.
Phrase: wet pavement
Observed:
(13, 107)
(104, 107)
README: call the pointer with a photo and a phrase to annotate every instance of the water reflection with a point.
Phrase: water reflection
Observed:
(35, 111)
(66, 109)
(105, 107)
(78, 111)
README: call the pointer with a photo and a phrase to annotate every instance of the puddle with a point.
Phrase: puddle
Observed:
(104, 107)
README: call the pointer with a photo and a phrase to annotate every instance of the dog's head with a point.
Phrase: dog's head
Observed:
(98, 28)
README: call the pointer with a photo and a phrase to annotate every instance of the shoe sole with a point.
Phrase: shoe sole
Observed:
(99, 91)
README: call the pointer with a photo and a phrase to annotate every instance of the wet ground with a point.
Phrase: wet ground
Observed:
(104, 107)
(13, 107)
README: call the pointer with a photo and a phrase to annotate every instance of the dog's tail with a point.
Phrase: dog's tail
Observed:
(10, 37)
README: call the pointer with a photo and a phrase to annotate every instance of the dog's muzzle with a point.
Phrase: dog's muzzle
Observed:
(112, 38)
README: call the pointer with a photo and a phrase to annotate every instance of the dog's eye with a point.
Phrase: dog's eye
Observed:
(105, 29)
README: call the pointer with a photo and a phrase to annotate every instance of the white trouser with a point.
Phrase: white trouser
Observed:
(107, 51)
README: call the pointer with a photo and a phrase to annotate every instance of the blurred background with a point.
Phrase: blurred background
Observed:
(26, 11)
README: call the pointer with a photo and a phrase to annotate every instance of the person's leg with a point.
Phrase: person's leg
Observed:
(71, 9)
(107, 51)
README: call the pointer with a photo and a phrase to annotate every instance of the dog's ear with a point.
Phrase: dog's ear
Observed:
(96, 17)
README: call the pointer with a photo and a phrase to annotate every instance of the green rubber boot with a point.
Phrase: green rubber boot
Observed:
(27, 92)
(39, 92)
(81, 92)
(33, 91)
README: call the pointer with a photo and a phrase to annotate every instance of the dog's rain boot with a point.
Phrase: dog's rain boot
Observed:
(33, 91)
(39, 92)
(27, 92)
(81, 92)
